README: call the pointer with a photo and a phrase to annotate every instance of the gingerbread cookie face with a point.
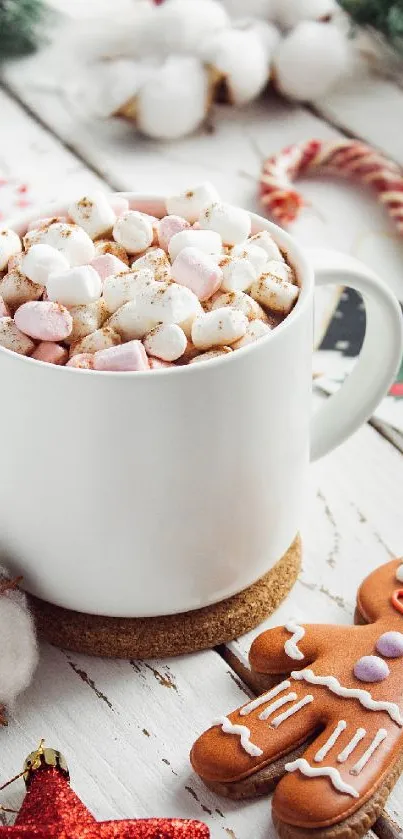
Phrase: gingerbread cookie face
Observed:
(341, 689)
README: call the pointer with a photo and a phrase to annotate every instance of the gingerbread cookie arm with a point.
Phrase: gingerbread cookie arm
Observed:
(290, 647)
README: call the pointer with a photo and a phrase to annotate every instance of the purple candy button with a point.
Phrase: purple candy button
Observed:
(371, 668)
(390, 644)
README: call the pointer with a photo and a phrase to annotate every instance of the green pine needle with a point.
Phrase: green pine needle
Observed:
(384, 15)
(19, 26)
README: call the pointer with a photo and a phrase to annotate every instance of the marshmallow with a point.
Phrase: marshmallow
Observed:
(277, 294)
(101, 339)
(168, 227)
(94, 214)
(105, 246)
(85, 361)
(157, 364)
(186, 325)
(242, 303)
(51, 353)
(232, 223)
(44, 320)
(198, 271)
(134, 231)
(119, 204)
(131, 324)
(13, 339)
(4, 310)
(238, 273)
(207, 356)
(220, 327)
(74, 287)
(107, 264)
(10, 244)
(129, 356)
(204, 240)
(15, 262)
(279, 269)
(167, 303)
(265, 241)
(257, 256)
(87, 319)
(167, 342)
(120, 288)
(40, 261)
(157, 261)
(16, 289)
(190, 203)
(40, 223)
(69, 239)
(256, 329)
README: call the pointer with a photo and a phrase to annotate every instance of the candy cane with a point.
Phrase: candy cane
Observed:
(341, 158)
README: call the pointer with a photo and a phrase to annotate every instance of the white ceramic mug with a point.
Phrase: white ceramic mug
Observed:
(151, 493)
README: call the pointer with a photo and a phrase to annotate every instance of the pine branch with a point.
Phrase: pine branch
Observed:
(20, 22)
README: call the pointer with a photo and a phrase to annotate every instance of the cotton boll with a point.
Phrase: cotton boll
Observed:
(310, 60)
(243, 60)
(292, 12)
(173, 102)
(19, 655)
(268, 34)
(181, 25)
(265, 9)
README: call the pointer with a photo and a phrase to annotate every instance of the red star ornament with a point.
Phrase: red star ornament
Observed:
(51, 810)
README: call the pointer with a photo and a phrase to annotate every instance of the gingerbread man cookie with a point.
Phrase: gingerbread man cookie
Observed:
(330, 725)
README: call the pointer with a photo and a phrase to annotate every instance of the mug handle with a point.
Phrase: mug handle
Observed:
(379, 359)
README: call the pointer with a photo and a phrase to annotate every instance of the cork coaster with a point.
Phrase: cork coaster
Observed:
(169, 635)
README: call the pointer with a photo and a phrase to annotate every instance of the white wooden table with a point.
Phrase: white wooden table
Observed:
(126, 727)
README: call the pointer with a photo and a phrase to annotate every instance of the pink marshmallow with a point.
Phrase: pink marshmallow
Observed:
(44, 320)
(157, 363)
(4, 311)
(40, 223)
(106, 264)
(50, 352)
(198, 271)
(167, 227)
(129, 356)
(83, 360)
(119, 204)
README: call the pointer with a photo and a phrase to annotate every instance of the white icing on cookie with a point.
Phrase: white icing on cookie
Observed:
(399, 574)
(363, 696)
(274, 706)
(358, 736)
(256, 703)
(322, 752)
(380, 736)
(243, 732)
(315, 772)
(291, 646)
(295, 708)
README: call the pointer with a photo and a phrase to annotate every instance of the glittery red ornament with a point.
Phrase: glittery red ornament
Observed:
(51, 810)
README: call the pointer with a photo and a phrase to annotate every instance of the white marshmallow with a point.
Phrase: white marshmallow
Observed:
(118, 289)
(207, 356)
(267, 243)
(238, 273)
(190, 203)
(16, 289)
(13, 339)
(99, 340)
(219, 327)
(131, 324)
(74, 287)
(134, 231)
(232, 223)
(10, 244)
(257, 256)
(167, 342)
(242, 303)
(207, 241)
(87, 319)
(256, 329)
(94, 214)
(277, 294)
(279, 269)
(186, 325)
(42, 260)
(157, 261)
(167, 302)
(103, 246)
(70, 239)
